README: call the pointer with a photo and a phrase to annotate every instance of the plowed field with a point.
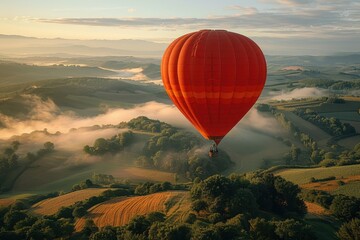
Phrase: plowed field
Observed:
(119, 211)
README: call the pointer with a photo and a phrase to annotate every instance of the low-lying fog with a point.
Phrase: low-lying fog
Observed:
(255, 132)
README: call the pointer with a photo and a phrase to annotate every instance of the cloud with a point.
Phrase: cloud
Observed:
(131, 10)
(45, 115)
(299, 93)
(256, 120)
(244, 10)
(316, 18)
(294, 2)
(326, 26)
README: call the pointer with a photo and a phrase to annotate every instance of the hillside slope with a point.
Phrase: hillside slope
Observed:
(120, 211)
(346, 178)
(52, 205)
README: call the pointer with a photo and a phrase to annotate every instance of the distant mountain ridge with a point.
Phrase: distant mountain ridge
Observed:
(338, 59)
(15, 45)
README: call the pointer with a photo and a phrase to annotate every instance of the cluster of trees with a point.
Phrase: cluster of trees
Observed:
(112, 145)
(345, 208)
(332, 125)
(104, 179)
(176, 151)
(304, 138)
(225, 208)
(340, 157)
(181, 152)
(331, 84)
(170, 149)
(18, 223)
(149, 187)
(83, 185)
(251, 206)
(246, 194)
(9, 158)
(48, 148)
(341, 206)
(350, 230)
(337, 156)
(145, 124)
(262, 107)
(9, 162)
(154, 227)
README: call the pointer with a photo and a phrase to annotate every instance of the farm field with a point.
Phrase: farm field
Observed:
(60, 170)
(119, 211)
(303, 175)
(350, 142)
(52, 205)
(343, 116)
(349, 175)
(142, 174)
(348, 106)
(334, 185)
(6, 201)
(350, 189)
(292, 105)
(315, 209)
(315, 132)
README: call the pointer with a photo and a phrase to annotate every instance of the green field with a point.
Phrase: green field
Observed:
(84, 96)
(349, 189)
(63, 168)
(348, 116)
(302, 176)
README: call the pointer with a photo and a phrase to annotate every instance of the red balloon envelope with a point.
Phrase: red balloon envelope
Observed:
(213, 77)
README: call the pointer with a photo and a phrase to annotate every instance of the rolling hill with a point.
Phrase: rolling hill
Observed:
(15, 73)
(120, 211)
(348, 175)
(52, 205)
(85, 96)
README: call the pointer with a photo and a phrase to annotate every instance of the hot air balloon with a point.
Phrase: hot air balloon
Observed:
(213, 77)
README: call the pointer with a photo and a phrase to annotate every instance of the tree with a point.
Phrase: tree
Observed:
(64, 212)
(15, 145)
(107, 233)
(138, 225)
(350, 230)
(66, 228)
(287, 198)
(260, 229)
(292, 229)
(315, 157)
(89, 227)
(345, 207)
(49, 146)
(165, 231)
(9, 151)
(295, 153)
(13, 217)
(206, 234)
(79, 212)
(101, 145)
(198, 205)
(155, 217)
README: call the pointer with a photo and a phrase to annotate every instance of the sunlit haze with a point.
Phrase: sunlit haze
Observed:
(290, 27)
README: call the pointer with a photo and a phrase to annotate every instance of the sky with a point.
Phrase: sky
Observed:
(301, 27)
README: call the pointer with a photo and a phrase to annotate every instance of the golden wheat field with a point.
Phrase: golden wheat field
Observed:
(6, 202)
(315, 209)
(118, 211)
(52, 205)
